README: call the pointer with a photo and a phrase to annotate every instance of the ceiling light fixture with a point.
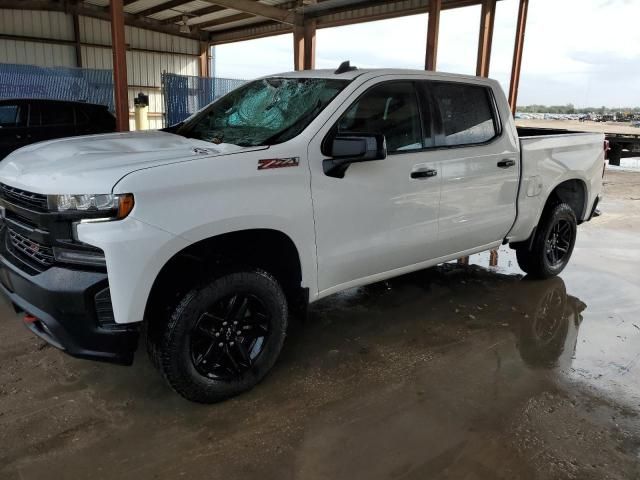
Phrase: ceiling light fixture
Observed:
(184, 28)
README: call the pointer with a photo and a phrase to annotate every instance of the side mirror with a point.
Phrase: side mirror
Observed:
(352, 148)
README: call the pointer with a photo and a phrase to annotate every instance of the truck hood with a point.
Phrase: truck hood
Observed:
(95, 163)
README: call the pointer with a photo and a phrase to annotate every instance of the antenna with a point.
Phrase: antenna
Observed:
(345, 67)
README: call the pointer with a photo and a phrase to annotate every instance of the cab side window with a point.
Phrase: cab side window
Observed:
(466, 111)
(391, 109)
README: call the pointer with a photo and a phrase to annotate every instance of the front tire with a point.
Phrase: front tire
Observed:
(552, 244)
(224, 337)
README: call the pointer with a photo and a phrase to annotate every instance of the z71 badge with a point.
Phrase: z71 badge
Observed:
(278, 163)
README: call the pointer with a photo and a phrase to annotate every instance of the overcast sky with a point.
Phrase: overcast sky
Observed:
(585, 52)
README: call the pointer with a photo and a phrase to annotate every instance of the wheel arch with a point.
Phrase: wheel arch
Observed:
(571, 191)
(268, 249)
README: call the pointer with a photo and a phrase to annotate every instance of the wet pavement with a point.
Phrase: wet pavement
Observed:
(461, 372)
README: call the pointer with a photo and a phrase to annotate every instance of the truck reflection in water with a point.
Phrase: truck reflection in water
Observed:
(548, 337)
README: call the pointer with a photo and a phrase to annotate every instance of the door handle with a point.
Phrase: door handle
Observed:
(424, 173)
(506, 163)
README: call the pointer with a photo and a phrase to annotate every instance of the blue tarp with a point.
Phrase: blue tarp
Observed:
(58, 83)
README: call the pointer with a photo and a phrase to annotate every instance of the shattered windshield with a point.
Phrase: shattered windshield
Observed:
(263, 112)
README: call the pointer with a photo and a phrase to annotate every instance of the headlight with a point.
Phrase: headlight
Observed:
(115, 206)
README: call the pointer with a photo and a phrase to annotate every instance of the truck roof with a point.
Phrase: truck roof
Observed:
(375, 72)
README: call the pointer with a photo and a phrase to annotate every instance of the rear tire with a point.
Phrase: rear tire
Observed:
(224, 337)
(552, 245)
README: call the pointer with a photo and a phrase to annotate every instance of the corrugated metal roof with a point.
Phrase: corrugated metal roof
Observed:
(327, 12)
(99, 3)
(236, 24)
(214, 16)
(185, 8)
(141, 5)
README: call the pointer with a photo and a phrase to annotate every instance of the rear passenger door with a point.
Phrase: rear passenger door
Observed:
(479, 166)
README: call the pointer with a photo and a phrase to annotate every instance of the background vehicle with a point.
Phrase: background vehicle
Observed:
(286, 190)
(26, 121)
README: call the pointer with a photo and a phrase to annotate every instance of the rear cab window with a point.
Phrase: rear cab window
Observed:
(467, 113)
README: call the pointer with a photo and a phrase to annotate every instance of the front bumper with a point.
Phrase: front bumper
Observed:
(63, 303)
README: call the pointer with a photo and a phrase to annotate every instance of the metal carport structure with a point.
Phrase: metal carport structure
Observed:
(214, 22)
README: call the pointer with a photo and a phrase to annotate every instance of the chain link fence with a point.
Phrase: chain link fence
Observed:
(184, 95)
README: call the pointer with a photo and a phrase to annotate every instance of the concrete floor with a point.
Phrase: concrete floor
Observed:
(453, 372)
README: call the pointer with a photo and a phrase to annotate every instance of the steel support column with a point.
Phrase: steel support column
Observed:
(487, 19)
(432, 34)
(304, 45)
(517, 54)
(309, 45)
(119, 65)
(298, 47)
(76, 40)
(204, 59)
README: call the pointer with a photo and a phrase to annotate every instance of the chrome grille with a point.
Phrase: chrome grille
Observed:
(40, 254)
(23, 198)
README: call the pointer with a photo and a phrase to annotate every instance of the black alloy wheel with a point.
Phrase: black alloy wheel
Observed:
(559, 242)
(224, 336)
(552, 243)
(228, 338)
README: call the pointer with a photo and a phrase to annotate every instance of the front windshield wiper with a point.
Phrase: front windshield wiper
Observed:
(173, 128)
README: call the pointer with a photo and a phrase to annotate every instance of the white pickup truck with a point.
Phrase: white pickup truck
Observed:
(206, 236)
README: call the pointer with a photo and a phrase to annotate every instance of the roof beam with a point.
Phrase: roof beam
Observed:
(161, 7)
(258, 9)
(248, 32)
(194, 14)
(87, 10)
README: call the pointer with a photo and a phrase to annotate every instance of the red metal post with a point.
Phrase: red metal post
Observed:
(204, 59)
(119, 65)
(432, 34)
(309, 60)
(487, 20)
(298, 47)
(517, 54)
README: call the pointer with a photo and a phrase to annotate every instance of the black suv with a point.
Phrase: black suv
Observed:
(25, 121)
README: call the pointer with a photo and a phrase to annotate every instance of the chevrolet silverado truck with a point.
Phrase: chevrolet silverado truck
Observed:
(203, 239)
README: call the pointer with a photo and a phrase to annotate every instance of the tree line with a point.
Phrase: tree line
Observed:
(569, 109)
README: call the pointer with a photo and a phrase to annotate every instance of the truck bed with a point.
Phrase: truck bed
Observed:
(549, 157)
(525, 132)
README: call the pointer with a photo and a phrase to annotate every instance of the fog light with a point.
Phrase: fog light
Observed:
(79, 257)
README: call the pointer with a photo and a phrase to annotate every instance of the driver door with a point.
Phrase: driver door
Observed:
(382, 215)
